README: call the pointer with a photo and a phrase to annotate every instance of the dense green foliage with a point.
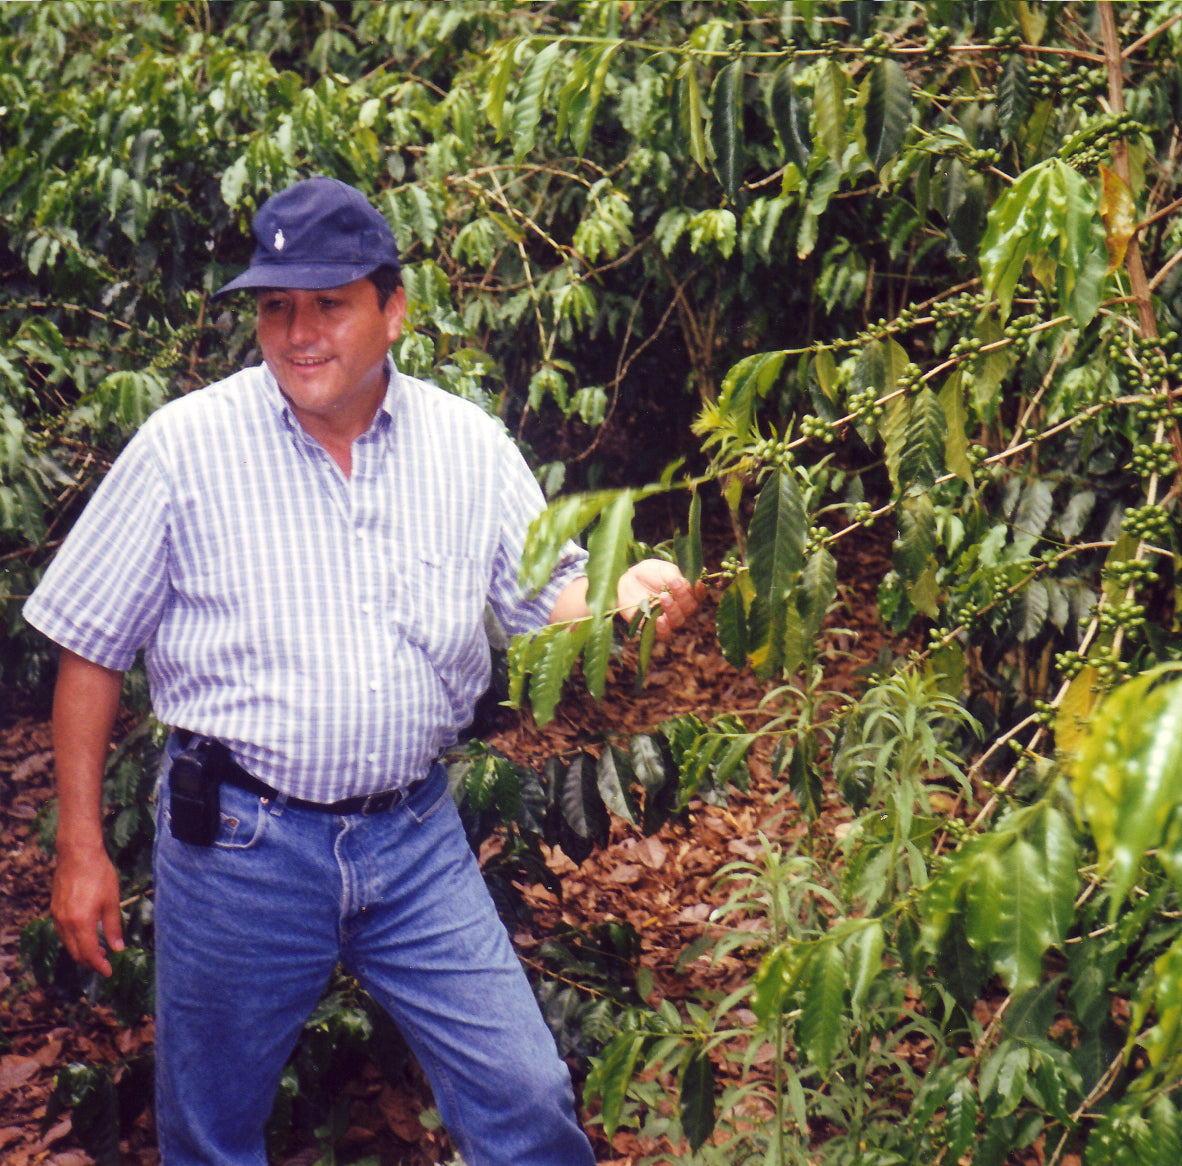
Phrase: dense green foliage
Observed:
(910, 264)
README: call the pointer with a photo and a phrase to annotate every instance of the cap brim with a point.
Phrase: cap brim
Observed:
(304, 276)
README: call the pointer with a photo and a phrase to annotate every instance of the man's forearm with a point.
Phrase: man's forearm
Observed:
(571, 603)
(85, 705)
(85, 886)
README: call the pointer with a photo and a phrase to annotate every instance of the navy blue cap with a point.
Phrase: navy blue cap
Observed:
(317, 234)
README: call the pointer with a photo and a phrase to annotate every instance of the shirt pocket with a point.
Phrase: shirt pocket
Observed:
(442, 604)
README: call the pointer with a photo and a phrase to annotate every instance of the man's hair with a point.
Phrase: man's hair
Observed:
(387, 279)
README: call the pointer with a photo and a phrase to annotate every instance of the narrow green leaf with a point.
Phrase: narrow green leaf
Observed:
(612, 1076)
(579, 800)
(960, 1126)
(776, 980)
(804, 778)
(608, 547)
(726, 127)
(1023, 933)
(824, 983)
(914, 550)
(829, 106)
(818, 589)
(615, 775)
(888, 111)
(597, 654)
(1013, 98)
(744, 384)
(498, 85)
(1035, 507)
(777, 536)
(1127, 775)
(921, 460)
(956, 421)
(692, 114)
(527, 107)
(697, 1099)
(565, 518)
(644, 651)
(732, 626)
(790, 115)
(688, 547)
(1034, 602)
(866, 951)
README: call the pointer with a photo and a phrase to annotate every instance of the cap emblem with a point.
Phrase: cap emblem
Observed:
(279, 240)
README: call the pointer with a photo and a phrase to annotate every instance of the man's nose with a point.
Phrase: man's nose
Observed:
(302, 323)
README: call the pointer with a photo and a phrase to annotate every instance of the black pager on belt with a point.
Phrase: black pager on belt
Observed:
(194, 799)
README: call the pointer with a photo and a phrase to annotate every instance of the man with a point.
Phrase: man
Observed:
(305, 552)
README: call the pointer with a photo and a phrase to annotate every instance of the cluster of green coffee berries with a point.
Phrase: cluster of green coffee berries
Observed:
(864, 405)
(818, 536)
(980, 159)
(177, 349)
(1061, 81)
(1110, 668)
(1153, 457)
(1128, 616)
(769, 451)
(966, 346)
(1150, 522)
(730, 566)
(911, 378)
(999, 589)
(1162, 408)
(862, 514)
(1044, 712)
(1149, 360)
(1131, 573)
(876, 46)
(1069, 664)
(965, 306)
(1021, 328)
(816, 427)
(1108, 664)
(1094, 145)
(1005, 40)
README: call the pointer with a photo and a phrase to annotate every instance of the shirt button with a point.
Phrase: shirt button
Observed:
(366, 608)
(373, 684)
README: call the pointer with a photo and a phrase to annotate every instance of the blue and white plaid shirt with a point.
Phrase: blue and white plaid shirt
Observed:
(329, 629)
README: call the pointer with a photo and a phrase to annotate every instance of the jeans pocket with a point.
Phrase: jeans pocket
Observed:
(433, 796)
(242, 818)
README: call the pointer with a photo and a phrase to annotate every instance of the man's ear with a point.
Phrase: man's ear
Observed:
(395, 312)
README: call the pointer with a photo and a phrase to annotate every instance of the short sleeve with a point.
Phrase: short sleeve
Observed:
(103, 594)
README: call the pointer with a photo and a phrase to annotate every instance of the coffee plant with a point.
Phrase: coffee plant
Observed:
(908, 268)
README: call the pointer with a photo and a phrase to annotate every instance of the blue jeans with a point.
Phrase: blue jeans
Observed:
(249, 930)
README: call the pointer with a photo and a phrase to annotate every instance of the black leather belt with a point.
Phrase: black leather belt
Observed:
(233, 774)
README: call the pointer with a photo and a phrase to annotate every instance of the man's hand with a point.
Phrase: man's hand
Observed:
(85, 895)
(656, 579)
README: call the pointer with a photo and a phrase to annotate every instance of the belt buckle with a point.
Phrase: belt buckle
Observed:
(379, 803)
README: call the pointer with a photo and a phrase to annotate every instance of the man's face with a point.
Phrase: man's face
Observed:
(327, 348)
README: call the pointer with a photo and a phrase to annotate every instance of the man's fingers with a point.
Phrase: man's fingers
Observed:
(85, 899)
